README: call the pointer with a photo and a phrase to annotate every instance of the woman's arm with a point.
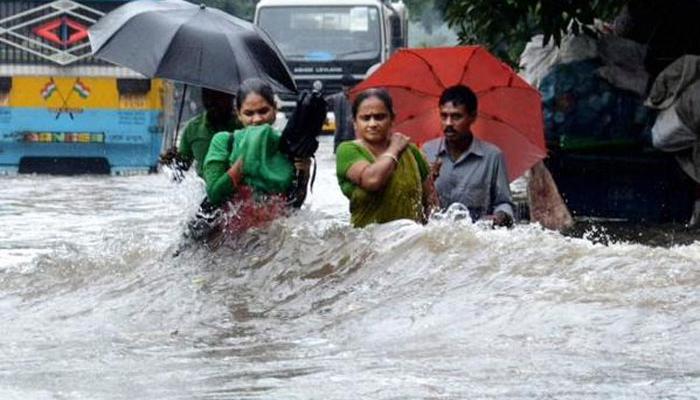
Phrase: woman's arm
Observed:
(374, 176)
(221, 180)
(219, 185)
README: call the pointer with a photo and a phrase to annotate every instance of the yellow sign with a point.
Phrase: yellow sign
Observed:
(75, 94)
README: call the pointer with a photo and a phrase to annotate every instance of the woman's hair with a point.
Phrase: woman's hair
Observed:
(257, 86)
(379, 93)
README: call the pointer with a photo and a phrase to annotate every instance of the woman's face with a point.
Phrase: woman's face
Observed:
(373, 120)
(255, 110)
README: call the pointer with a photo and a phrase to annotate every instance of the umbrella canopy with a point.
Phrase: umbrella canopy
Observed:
(193, 44)
(510, 110)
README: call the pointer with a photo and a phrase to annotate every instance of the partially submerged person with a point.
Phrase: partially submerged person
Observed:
(246, 171)
(385, 177)
(342, 110)
(218, 116)
(467, 170)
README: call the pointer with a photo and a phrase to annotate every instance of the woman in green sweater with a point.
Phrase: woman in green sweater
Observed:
(247, 167)
(385, 177)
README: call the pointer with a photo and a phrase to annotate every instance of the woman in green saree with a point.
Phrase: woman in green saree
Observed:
(383, 175)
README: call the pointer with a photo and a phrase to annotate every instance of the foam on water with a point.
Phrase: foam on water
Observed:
(95, 306)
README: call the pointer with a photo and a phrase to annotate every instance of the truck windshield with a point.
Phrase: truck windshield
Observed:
(323, 33)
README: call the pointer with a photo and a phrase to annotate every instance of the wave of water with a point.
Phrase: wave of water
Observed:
(95, 306)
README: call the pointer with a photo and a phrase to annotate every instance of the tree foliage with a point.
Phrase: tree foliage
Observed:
(417, 7)
(505, 26)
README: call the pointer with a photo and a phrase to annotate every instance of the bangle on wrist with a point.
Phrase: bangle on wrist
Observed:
(393, 158)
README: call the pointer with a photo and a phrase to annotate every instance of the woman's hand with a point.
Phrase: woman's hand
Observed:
(397, 144)
(236, 172)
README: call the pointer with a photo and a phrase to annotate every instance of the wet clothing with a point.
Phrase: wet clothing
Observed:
(265, 169)
(195, 140)
(248, 209)
(401, 198)
(478, 179)
(342, 109)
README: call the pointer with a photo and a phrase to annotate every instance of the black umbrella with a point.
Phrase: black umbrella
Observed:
(193, 44)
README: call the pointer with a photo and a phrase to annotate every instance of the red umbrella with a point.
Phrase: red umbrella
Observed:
(510, 110)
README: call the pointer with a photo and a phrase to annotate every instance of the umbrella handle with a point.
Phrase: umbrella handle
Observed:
(179, 115)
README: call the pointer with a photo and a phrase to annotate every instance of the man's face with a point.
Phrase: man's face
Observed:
(219, 106)
(456, 121)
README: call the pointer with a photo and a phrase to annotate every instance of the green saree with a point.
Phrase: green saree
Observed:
(402, 198)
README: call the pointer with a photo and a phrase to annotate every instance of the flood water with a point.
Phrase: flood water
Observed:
(93, 305)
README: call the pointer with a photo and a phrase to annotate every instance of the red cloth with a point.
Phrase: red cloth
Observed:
(246, 210)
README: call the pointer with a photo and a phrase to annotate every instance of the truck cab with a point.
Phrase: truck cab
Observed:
(325, 39)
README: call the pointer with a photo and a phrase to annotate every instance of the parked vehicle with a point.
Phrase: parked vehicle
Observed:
(62, 111)
(321, 40)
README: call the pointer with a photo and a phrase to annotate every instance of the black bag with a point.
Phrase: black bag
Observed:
(299, 137)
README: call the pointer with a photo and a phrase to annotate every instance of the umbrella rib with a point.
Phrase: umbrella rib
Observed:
(430, 67)
(239, 79)
(418, 115)
(499, 120)
(466, 65)
(167, 48)
(512, 75)
(410, 89)
(494, 88)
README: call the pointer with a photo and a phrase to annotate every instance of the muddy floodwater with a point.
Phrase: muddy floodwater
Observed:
(93, 305)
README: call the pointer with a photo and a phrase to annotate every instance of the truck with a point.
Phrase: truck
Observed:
(322, 40)
(63, 111)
